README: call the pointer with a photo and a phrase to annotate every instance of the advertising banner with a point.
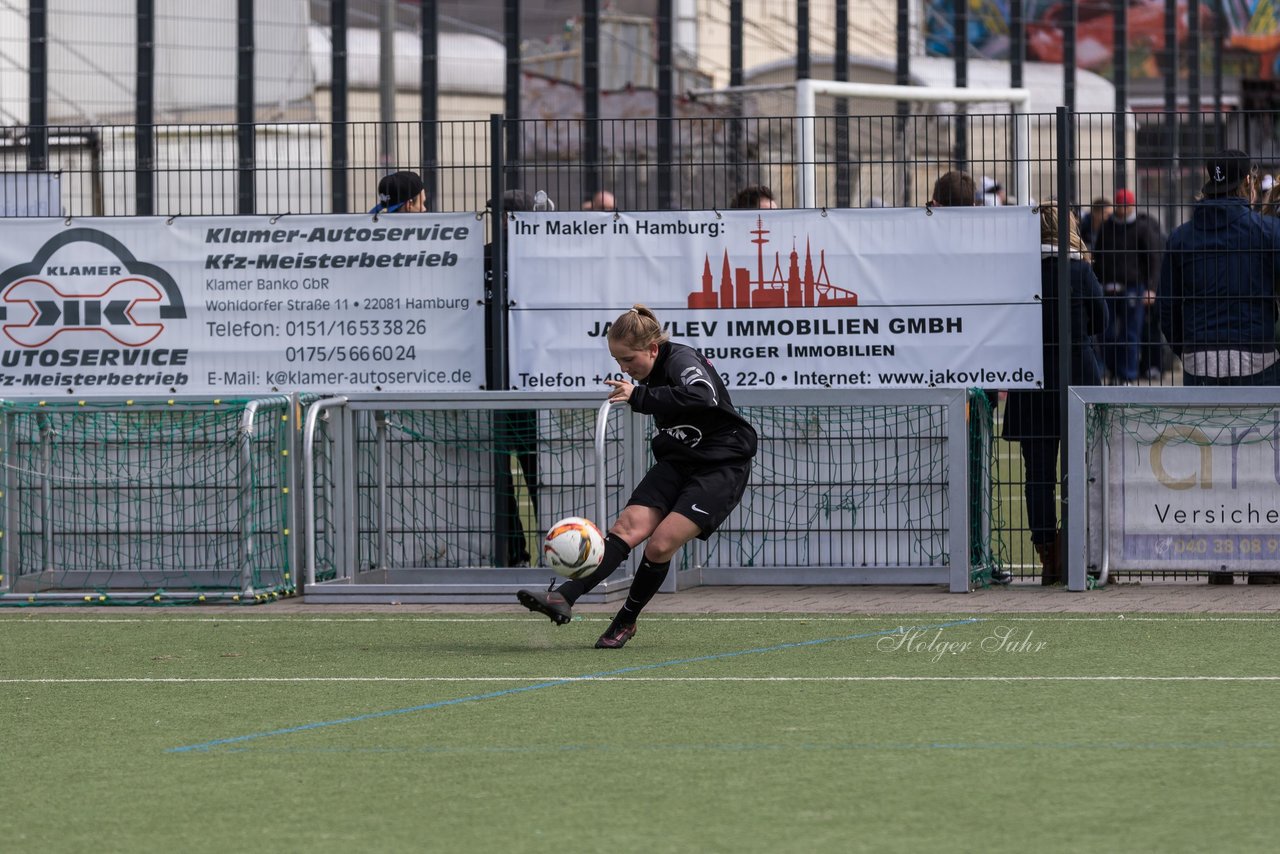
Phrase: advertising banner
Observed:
(241, 305)
(887, 298)
(1195, 493)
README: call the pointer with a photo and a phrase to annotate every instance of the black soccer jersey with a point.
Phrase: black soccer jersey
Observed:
(691, 409)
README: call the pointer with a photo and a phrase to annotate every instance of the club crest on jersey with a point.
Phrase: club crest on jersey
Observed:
(685, 434)
(97, 288)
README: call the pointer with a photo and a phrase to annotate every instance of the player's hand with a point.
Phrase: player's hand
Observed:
(619, 390)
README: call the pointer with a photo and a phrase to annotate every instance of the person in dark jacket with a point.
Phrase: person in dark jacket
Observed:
(1033, 417)
(1091, 223)
(702, 450)
(1126, 259)
(1217, 297)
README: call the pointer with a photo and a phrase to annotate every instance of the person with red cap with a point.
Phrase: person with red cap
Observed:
(1126, 259)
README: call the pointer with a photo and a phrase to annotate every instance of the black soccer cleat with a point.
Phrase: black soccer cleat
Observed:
(616, 636)
(550, 603)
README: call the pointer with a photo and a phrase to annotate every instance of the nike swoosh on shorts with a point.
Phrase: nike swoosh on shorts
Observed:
(696, 509)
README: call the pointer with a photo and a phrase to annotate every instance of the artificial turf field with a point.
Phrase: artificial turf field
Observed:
(242, 731)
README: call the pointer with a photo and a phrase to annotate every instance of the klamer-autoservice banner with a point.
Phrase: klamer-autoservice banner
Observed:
(903, 298)
(241, 305)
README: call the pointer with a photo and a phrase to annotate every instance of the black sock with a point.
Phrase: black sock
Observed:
(649, 577)
(616, 551)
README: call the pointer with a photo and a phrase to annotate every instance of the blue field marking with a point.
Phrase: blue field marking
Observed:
(773, 747)
(238, 739)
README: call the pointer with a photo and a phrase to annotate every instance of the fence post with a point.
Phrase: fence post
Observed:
(1119, 124)
(38, 87)
(8, 561)
(47, 434)
(338, 97)
(1064, 123)
(511, 92)
(144, 110)
(960, 56)
(246, 194)
(590, 97)
(843, 183)
(496, 361)
(430, 86)
(902, 77)
(666, 106)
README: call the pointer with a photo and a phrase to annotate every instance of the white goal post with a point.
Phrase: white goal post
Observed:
(807, 91)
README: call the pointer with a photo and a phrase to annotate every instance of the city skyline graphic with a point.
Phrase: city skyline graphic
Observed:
(737, 288)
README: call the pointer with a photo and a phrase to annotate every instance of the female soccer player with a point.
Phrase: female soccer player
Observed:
(702, 450)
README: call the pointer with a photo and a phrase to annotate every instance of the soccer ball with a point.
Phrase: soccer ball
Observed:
(573, 547)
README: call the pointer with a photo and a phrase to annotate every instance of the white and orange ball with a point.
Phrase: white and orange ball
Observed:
(573, 547)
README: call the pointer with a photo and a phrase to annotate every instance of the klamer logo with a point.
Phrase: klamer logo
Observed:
(84, 281)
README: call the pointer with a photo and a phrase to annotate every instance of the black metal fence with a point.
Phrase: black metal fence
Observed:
(1221, 333)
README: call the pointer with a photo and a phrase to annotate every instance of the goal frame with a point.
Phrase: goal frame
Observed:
(807, 91)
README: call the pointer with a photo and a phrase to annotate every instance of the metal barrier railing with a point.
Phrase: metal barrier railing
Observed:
(1176, 480)
(848, 488)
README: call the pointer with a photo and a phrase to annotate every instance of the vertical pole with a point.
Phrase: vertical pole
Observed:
(1021, 123)
(1018, 43)
(960, 53)
(1120, 122)
(496, 379)
(1219, 42)
(1064, 190)
(1069, 74)
(511, 96)
(803, 70)
(736, 19)
(497, 373)
(1171, 90)
(959, 489)
(338, 98)
(246, 194)
(380, 486)
(38, 86)
(429, 90)
(844, 182)
(387, 82)
(591, 96)
(244, 496)
(902, 77)
(666, 104)
(7, 564)
(1193, 78)
(47, 435)
(144, 109)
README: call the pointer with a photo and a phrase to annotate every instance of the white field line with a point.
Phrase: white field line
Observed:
(665, 618)
(420, 679)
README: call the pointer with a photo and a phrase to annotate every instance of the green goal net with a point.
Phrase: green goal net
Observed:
(146, 501)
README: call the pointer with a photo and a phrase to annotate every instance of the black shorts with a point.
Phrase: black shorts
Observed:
(705, 494)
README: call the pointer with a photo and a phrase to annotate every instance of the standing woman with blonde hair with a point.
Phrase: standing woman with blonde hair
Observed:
(702, 450)
(1033, 417)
